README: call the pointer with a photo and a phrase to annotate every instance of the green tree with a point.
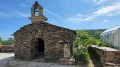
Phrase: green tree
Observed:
(91, 40)
(5, 42)
(82, 37)
(97, 34)
(10, 41)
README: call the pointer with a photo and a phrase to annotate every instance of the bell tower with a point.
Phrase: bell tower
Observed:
(37, 9)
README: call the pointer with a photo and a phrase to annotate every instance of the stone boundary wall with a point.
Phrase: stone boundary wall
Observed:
(108, 57)
(0, 47)
(7, 48)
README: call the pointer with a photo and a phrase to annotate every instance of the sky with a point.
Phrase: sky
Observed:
(71, 14)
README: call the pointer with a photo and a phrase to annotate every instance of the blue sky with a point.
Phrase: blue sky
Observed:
(72, 14)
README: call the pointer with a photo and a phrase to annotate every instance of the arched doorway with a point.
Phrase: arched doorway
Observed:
(40, 47)
(37, 46)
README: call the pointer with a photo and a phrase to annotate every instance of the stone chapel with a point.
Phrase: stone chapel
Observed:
(41, 39)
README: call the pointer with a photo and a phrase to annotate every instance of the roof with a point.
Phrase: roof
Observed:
(111, 30)
(30, 25)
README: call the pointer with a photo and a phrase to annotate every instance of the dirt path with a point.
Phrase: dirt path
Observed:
(7, 60)
(94, 62)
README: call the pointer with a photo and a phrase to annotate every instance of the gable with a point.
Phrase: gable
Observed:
(44, 26)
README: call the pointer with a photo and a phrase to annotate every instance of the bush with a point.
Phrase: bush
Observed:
(103, 44)
(91, 41)
(10, 41)
(81, 54)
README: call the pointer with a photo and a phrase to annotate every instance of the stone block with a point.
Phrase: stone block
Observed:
(107, 64)
(7, 48)
(117, 61)
(65, 61)
(109, 54)
(109, 57)
(66, 51)
(117, 56)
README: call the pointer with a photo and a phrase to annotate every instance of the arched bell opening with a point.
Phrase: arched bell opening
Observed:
(36, 12)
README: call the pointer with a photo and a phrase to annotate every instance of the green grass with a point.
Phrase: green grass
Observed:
(97, 41)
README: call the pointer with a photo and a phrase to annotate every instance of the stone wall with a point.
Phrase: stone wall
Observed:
(109, 57)
(6, 48)
(54, 38)
(0, 47)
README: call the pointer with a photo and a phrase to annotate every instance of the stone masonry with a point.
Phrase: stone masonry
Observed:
(40, 17)
(109, 57)
(41, 38)
(0, 47)
(6, 48)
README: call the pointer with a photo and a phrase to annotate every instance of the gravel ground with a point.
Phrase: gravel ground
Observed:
(7, 60)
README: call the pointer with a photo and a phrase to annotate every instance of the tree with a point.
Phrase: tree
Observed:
(97, 34)
(91, 40)
(82, 37)
(10, 41)
(5, 42)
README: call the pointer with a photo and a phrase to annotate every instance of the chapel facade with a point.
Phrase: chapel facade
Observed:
(41, 39)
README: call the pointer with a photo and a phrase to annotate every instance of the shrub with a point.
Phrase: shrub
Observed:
(103, 44)
(81, 54)
(91, 41)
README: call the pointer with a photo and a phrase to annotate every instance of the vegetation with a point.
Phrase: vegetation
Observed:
(103, 44)
(10, 41)
(81, 54)
(83, 39)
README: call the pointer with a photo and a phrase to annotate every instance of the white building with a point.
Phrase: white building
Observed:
(112, 36)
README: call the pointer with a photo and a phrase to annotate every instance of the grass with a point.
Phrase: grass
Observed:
(94, 62)
(97, 41)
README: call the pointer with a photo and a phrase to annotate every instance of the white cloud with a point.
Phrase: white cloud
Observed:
(54, 14)
(80, 19)
(22, 5)
(99, 1)
(105, 21)
(23, 14)
(4, 15)
(76, 18)
(112, 10)
(89, 18)
(80, 15)
(16, 13)
(108, 10)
